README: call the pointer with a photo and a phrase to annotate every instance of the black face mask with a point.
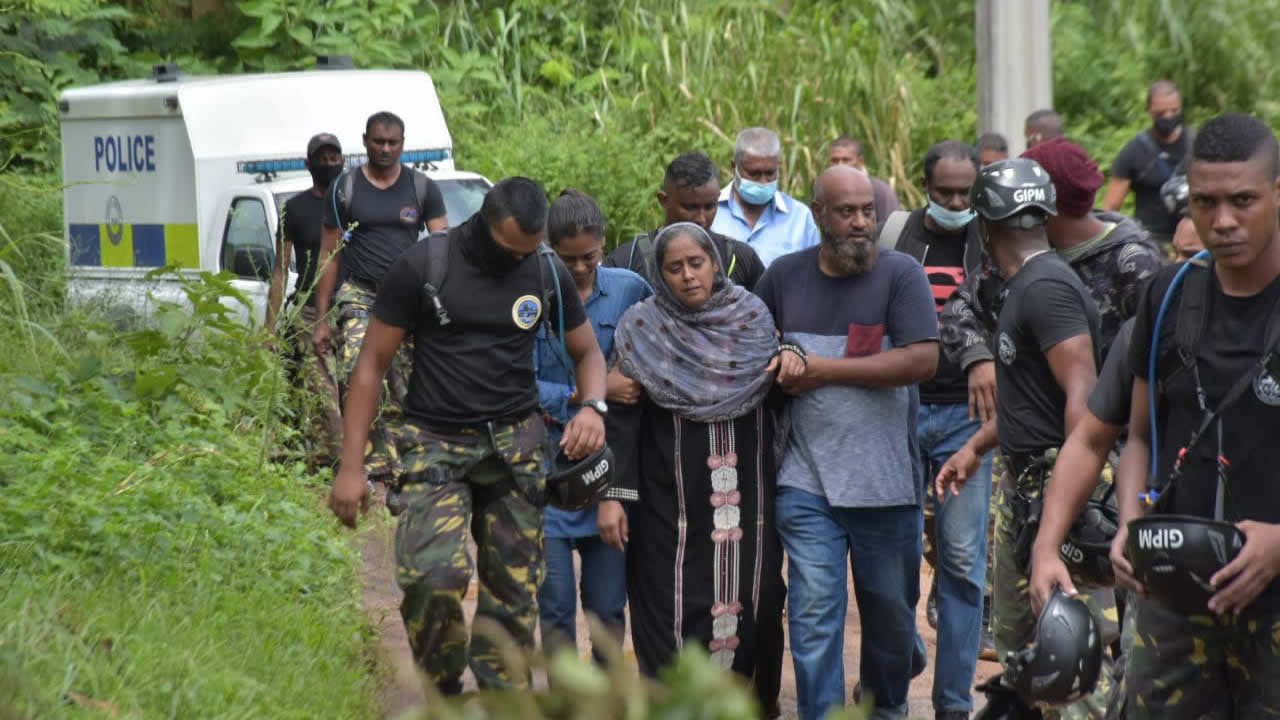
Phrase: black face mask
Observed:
(322, 175)
(489, 255)
(1166, 126)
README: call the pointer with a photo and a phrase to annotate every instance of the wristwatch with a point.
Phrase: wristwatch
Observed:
(599, 406)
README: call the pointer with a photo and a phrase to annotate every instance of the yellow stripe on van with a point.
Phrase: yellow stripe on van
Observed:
(120, 252)
(182, 246)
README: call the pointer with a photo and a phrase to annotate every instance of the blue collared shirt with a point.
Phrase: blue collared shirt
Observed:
(615, 291)
(785, 226)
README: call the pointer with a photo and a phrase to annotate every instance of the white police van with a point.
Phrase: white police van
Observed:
(191, 172)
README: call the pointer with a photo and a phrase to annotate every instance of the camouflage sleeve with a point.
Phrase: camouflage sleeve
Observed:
(963, 334)
(1138, 262)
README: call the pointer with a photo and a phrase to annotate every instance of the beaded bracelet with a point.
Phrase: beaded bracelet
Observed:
(804, 356)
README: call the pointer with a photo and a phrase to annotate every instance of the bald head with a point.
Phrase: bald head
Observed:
(844, 209)
(841, 181)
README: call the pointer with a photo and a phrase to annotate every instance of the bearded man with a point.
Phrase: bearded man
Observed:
(847, 493)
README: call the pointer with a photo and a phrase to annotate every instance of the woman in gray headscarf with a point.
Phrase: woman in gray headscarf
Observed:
(704, 562)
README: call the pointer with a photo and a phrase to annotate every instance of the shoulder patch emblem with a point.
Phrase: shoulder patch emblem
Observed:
(1008, 352)
(1267, 390)
(526, 311)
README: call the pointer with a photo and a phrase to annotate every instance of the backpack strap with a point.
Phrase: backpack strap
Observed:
(342, 200)
(551, 291)
(421, 183)
(437, 267)
(642, 245)
(1192, 311)
(892, 230)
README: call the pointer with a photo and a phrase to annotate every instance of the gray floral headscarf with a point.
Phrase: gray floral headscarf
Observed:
(708, 364)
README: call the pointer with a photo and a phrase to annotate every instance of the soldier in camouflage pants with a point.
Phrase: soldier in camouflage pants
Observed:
(492, 482)
(1176, 658)
(1013, 622)
(314, 374)
(354, 304)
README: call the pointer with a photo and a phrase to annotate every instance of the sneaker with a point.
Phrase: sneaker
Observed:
(987, 648)
(951, 715)
(931, 606)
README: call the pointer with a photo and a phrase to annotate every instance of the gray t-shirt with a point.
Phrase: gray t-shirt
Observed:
(852, 445)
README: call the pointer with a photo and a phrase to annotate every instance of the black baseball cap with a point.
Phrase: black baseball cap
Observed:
(323, 140)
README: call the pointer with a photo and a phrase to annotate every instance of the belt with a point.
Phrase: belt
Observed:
(1018, 464)
(436, 428)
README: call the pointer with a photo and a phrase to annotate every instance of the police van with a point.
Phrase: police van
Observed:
(191, 172)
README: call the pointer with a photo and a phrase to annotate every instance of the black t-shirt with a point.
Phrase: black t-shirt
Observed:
(1234, 329)
(387, 222)
(1147, 164)
(303, 215)
(479, 367)
(943, 262)
(1046, 305)
(1232, 337)
(1109, 400)
(745, 267)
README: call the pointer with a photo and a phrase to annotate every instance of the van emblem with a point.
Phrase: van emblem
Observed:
(115, 220)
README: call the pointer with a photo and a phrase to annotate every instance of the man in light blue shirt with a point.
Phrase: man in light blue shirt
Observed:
(753, 210)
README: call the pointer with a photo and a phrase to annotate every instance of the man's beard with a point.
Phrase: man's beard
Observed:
(850, 254)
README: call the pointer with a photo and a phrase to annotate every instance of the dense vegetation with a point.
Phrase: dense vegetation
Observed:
(164, 550)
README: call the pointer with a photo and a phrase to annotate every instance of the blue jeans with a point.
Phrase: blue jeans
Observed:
(961, 522)
(883, 548)
(604, 590)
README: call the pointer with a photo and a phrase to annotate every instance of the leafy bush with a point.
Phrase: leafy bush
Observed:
(154, 562)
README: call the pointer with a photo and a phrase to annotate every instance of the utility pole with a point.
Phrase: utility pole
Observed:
(1015, 66)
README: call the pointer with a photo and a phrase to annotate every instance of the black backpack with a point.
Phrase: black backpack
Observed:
(346, 190)
(436, 268)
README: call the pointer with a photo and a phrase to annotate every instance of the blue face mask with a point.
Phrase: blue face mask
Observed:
(754, 193)
(948, 219)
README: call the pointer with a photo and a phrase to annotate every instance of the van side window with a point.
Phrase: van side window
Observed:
(247, 248)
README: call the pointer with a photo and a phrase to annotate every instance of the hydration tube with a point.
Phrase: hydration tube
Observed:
(1153, 495)
(564, 348)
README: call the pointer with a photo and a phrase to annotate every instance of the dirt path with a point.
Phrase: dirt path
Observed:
(404, 691)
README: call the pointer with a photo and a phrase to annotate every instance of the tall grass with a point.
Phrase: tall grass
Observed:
(152, 564)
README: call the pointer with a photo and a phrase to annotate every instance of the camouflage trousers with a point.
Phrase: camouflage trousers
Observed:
(1013, 622)
(1203, 667)
(490, 482)
(354, 304)
(320, 411)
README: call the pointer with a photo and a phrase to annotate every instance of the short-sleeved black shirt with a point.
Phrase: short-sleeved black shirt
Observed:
(1109, 401)
(1147, 164)
(303, 215)
(943, 262)
(479, 367)
(745, 267)
(387, 222)
(1234, 328)
(1046, 305)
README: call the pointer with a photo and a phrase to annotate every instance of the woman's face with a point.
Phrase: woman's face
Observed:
(581, 253)
(689, 271)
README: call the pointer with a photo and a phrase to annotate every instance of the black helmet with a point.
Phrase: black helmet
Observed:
(1003, 702)
(579, 484)
(1062, 664)
(1174, 556)
(1008, 187)
(1087, 549)
(1176, 195)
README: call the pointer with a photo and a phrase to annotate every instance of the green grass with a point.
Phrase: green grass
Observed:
(166, 553)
